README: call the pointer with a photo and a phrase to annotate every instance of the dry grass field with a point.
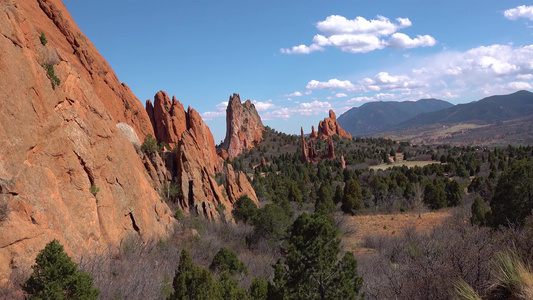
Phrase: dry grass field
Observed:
(389, 224)
(407, 163)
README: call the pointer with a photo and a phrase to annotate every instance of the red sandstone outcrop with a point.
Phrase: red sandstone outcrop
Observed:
(244, 129)
(238, 186)
(313, 134)
(66, 170)
(197, 160)
(330, 126)
(168, 118)
(343, 162)
(305, 152)
(331, 149)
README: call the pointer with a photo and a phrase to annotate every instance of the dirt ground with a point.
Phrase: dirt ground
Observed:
(389, 224)
(409, 164)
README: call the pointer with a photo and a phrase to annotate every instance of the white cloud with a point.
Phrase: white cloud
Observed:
(311, 108)
(384, 81)
(360, 35)
(295, 94)
(302, 49)
(340, 95)
(524, 76)
(219, 112)
(330, 84)
(519, 85)
(302, 109)
(521, 11)
(308, 92)
(403, 41)
(262, 106)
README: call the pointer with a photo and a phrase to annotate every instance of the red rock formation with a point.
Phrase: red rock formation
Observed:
(238, 186)
(244, 128)
(313, 154)
(330, 126)
(305, 153)
(66, 170)
(331, 149)
(167, 117)
(313, 134)
(343, 162)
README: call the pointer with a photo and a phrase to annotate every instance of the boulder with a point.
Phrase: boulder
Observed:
(330, 127)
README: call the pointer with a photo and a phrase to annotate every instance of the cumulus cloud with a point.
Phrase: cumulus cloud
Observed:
(302, 109)
(518, 85)
(340, 95)
(384, 81)
(360, 35)
(330, 84)
(220, 111)
(263, 106)
(403, 41)
(302, 49)
(295, 94)
(521, 11)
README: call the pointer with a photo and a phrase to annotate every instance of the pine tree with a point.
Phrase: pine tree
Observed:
(192, 282)
(56, 276)
(312, 270)
(352, 198)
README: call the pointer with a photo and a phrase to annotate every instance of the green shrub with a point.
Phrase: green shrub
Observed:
(94, 189)
(226, 260)
(150, 145)
(50, 72)
(56, 276)
(43, 39)
(244, 209)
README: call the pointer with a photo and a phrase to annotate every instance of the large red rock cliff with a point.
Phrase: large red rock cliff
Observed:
(330, 127)
(66, 170)
(244, 129)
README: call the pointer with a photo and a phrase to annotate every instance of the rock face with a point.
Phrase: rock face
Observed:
(66, 170)
(305, 152)
(330, 126)
(168, 118)
(244, 128)
(197, 162)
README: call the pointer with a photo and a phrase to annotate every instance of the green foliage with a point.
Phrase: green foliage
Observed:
(166, 287)
(94, 190)
(435, 194)
(324, 202)
(43, 39)
(270, 222)
(294, 193)
(50, 72)
(258, 289)
(150, 145)
(56, 276)
(244, 209)
(170, 192)
(193, 282)
(479, 212)
(226, 260)
(229, 288)
(312, 267)
(178, 215)
(513, 196)
(352, 198)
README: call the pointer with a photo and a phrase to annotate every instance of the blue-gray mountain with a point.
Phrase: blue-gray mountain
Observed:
(380, 116)
(375, 117)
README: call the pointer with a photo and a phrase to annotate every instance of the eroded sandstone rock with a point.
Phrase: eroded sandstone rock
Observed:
(244, 128)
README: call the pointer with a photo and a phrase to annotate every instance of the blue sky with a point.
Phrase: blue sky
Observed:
(297, 59)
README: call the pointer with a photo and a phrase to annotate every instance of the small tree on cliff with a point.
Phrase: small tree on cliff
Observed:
(56, 276)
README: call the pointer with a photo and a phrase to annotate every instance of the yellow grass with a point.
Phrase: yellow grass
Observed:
(390, 224)
(409, 164)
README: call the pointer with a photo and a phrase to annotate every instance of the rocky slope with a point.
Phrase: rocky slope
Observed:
(66, 170)
(70, 165)
(197, 162)
(244, 128)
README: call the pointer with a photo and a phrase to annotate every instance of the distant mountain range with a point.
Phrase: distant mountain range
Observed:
(377, 117)
(380, 116)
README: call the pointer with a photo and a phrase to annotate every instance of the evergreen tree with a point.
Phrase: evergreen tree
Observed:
(312, 270)
(258, 289)
(352, 198)
(56, 276)
(478, 212)
(226, 260)
(244, 209)
(513, 196)
(192, 282)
